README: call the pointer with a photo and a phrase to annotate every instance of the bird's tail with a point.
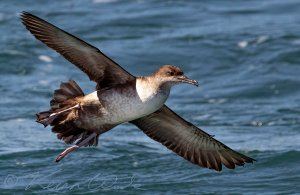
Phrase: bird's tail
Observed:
(62, 104)
(63, 112)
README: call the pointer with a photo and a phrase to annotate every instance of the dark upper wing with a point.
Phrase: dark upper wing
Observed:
(88, 58)
(188, 141)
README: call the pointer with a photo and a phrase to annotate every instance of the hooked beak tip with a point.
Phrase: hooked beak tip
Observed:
(189, 81)
(196, 83)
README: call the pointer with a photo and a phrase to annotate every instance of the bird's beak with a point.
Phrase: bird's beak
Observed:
(185, 79)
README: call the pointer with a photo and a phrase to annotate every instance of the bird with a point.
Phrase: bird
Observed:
(79, 119)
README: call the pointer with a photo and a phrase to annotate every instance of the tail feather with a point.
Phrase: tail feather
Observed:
(60, 107)
(45, 118)
(74, 135)
(62, 114)
(67, 129)
(55, 116)
(66, 91)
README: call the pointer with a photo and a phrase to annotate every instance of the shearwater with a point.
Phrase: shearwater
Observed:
(120, 97)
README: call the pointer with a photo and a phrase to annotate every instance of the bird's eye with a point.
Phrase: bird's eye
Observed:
(180, 73)
(170, 73)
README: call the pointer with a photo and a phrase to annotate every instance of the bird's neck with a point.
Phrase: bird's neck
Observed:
(150, 87)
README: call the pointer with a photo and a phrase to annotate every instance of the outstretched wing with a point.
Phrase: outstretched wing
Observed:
(188, 141)
(99, 68)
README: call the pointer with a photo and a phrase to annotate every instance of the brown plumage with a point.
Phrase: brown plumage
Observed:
(71, 113)
(188, 141)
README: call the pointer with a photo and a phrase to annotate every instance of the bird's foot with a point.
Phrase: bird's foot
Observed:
(67, 151)
(77, 146)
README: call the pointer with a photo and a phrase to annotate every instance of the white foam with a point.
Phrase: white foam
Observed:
(256, 123)
(255, 41)
(43, 82)
(243, 44)
(45, 58)
(261, 39)
(217, 101)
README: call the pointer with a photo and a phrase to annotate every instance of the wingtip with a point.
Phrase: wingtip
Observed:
(45, 125)
(24, 14)
(252, 160)
(218, 169)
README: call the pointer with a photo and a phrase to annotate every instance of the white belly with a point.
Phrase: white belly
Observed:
(125, 109)
(116, 108)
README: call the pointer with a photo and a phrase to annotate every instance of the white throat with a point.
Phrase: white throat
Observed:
(151, 90)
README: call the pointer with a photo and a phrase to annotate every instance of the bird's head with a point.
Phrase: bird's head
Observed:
(172, 75)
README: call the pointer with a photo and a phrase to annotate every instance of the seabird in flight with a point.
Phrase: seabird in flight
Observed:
(121, 97)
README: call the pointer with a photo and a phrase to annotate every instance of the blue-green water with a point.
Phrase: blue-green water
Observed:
(245, 55)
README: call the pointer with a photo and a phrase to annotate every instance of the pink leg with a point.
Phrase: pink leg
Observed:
(77, 146)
